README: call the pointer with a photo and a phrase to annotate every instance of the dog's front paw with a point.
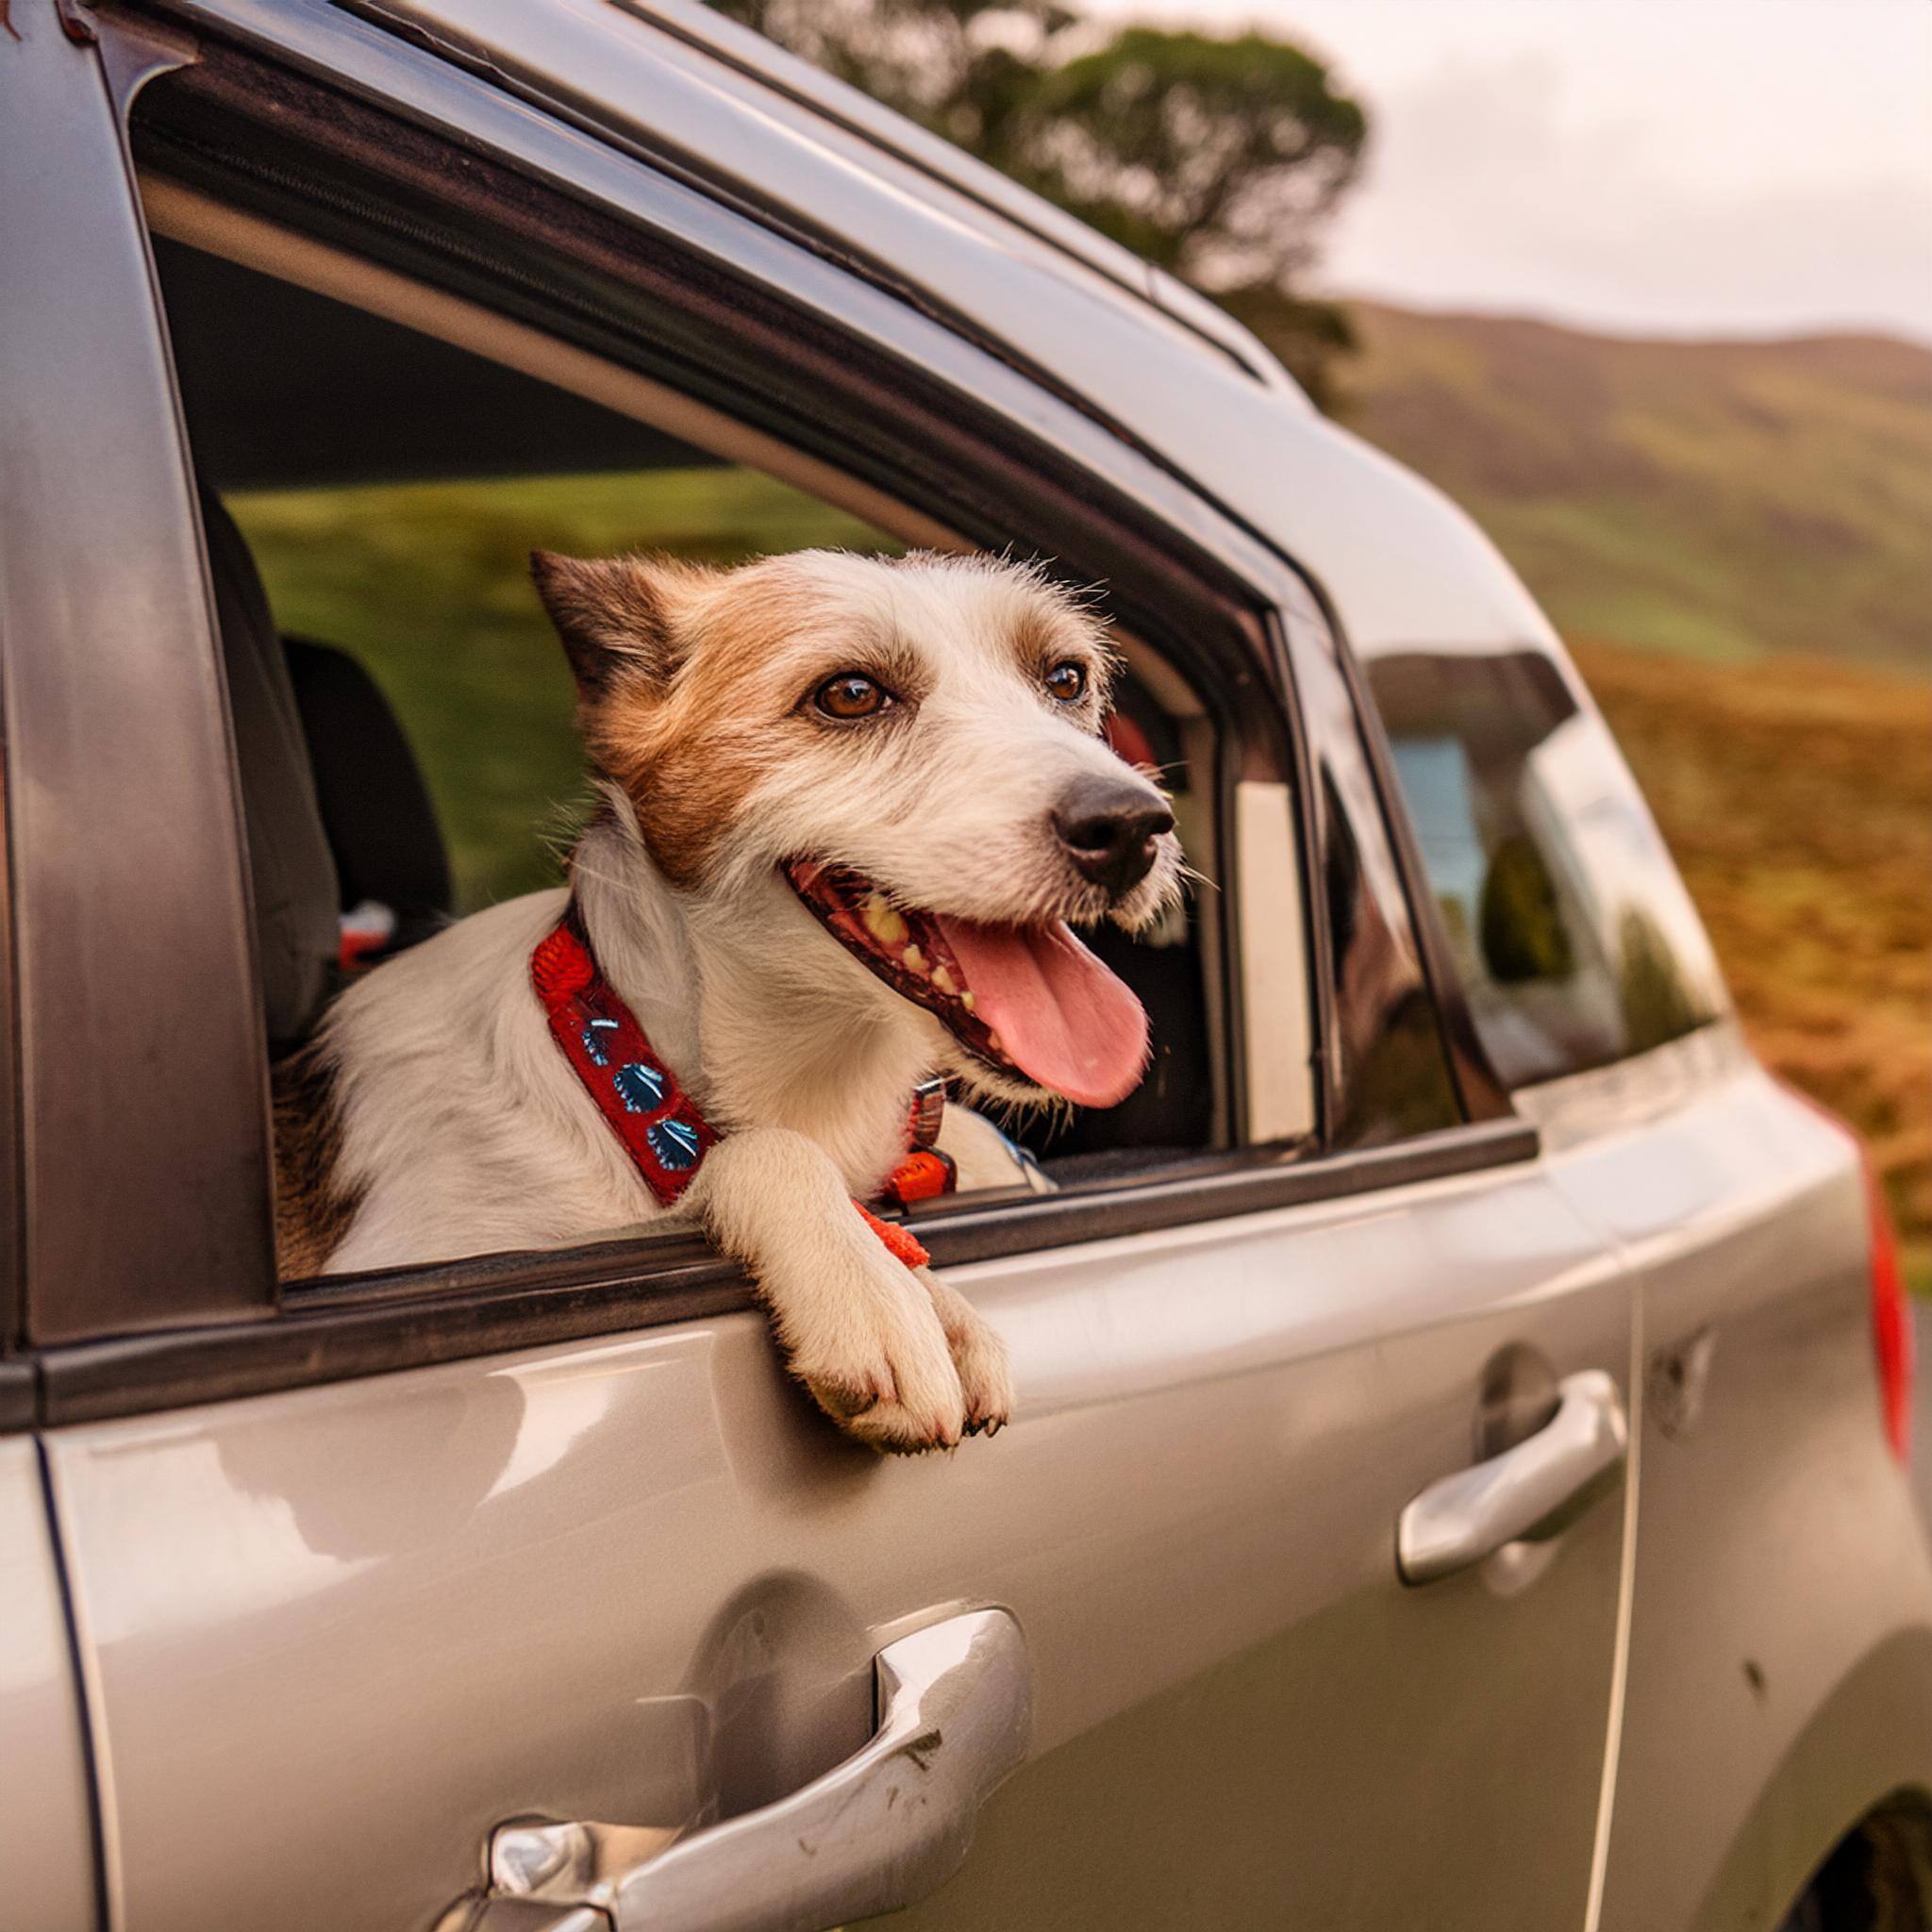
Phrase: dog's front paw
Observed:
(864, 1333)
(885, 1374)
(985, 1377)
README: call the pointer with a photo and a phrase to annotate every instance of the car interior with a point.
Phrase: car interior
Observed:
(401, 714)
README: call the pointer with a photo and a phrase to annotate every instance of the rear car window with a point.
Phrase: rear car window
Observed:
(1576, 940)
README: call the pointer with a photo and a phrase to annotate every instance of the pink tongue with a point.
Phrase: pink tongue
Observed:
(1062, 1018)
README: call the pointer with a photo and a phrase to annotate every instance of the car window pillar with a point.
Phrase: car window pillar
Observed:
(142, 1080)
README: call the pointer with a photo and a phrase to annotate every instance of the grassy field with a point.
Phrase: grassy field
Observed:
(1797, 797)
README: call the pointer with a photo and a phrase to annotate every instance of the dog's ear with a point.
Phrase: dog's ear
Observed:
(613, 614)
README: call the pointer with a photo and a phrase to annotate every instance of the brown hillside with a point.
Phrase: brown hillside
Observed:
(1797, 797)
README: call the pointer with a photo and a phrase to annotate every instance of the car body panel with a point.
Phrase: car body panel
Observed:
(333, 1635)
(1782, 1574)
(1862, 1754)
(46, 1828)
(642, 1582)
(120, 786)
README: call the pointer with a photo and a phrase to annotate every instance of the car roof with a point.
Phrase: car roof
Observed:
(1400, 565)
(841, 104)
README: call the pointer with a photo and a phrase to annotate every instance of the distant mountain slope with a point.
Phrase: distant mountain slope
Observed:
(1719, 498)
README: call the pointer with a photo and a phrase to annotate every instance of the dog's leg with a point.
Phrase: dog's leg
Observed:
(858, 1330)
(979, 1353)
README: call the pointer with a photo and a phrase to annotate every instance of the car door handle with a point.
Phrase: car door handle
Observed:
(889, 1826)
(1527, 1494)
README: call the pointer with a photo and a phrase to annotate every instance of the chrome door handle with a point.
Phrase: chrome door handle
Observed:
(889, 1826)
(1527, 1494)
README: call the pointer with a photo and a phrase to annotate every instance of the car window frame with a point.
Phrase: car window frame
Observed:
(109, 637)
(1481, 1091)
(354, 1326)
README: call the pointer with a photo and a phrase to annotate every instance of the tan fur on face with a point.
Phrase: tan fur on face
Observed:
(713, 705)
(688, 749)
(1043, 634)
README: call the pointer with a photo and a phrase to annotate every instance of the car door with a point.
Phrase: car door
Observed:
(46, 1820)
(1778, 1678)
(381, 1590)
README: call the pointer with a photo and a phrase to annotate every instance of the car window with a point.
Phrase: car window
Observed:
(372, 496)
(1575, 938)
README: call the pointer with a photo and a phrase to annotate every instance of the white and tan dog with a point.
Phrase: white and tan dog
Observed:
(848, 809)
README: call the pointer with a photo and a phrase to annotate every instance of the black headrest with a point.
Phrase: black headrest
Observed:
(376, 808)
(296, 898)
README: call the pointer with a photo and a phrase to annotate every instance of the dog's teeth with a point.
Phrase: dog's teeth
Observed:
(882, 921)
(995, 1042)
(912, 960)
(967, 1000)
(945, 980)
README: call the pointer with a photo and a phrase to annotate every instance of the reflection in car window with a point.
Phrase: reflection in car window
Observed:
(1394, 1076)
(1575, 938)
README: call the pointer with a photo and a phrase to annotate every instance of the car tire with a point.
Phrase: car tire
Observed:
(1878, 1879)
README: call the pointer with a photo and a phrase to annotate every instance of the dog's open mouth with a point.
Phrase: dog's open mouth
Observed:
(1029, 1000)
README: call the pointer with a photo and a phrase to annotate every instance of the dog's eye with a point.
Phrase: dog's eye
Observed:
(852, 694)
(1067, 682)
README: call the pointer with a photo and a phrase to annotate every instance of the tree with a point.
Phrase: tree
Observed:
(1219, 159)
(959, 67)
(1216, 158)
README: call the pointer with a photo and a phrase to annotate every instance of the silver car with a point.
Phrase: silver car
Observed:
(1457, 1477)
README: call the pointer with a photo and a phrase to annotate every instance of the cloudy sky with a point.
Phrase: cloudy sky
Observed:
(1653, 166)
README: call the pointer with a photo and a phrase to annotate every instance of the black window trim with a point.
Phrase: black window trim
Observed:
(408, 1317)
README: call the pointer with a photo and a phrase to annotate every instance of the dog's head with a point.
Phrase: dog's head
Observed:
(916, 747)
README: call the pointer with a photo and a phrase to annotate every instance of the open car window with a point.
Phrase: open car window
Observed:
(371, 493)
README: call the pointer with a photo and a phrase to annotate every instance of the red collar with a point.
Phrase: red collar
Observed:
(660, 1127)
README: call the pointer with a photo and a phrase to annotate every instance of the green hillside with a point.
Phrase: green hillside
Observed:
(1716, 498)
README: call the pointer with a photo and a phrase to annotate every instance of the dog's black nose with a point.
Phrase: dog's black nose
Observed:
(1108, 826)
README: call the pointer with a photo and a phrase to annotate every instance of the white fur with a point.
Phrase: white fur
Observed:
(464, 1130)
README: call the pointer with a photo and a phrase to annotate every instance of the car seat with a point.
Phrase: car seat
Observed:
(376, 808)
(333, 803)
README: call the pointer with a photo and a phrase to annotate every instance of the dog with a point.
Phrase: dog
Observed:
(847, 811)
